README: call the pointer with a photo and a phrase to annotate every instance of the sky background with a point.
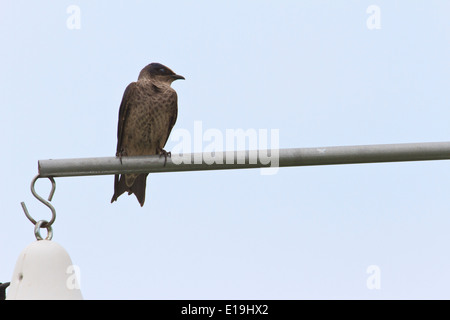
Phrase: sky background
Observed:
(311, 69)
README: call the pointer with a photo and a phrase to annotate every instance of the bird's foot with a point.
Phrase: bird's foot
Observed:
(164, 153)
(120, 154)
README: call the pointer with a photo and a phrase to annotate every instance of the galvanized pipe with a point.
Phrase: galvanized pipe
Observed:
(247, 159)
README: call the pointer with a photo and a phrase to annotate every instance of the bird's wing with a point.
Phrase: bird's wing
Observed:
(172, 120)
(125, 106)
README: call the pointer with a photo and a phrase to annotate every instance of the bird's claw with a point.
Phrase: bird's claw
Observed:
(120, 154)
(166, 154)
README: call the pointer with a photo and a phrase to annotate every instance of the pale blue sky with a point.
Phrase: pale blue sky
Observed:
(311, 69)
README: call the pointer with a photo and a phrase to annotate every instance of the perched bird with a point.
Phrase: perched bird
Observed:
(147, 114)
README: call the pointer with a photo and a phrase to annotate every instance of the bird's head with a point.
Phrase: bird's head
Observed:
(160, 73)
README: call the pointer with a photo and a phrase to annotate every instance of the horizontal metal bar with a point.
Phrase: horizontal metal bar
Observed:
(247, 159)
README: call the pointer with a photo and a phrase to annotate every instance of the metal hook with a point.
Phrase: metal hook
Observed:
(42, 223)
(37, 232)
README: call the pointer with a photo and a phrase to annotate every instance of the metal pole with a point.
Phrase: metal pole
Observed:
(247, 159)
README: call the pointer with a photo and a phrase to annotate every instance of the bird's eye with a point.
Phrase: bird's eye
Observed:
(162, 70)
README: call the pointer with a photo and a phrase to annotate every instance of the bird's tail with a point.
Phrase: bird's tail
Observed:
(137, 187)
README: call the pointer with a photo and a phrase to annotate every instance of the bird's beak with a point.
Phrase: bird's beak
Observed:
(177, 77)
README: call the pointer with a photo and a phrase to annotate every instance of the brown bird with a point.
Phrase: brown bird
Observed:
(147, 115)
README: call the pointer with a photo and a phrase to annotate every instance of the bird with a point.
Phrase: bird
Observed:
(147, 114)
